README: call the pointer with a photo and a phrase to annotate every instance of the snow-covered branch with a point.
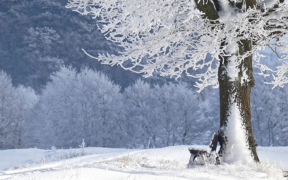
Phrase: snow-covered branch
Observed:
(171, 37)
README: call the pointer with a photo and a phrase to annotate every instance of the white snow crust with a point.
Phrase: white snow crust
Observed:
(119, 164)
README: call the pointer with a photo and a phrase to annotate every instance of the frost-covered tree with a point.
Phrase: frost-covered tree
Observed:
(7, 105)
(180, 112)
(76, 106)
(211, 111)
(265, 112)
(172, 37)
(269, 107)
(162, 116)
(26, 99)
(281, 125)
(140, 113)
(100, 109)
(15, 103)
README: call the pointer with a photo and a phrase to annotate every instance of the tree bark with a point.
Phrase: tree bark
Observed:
(239, 92)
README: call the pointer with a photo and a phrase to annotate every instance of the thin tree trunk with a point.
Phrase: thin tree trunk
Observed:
(237, 92)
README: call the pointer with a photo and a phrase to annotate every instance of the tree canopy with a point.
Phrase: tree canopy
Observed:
(171, 37)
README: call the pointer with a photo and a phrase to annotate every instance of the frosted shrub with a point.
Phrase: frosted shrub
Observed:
(82, 146)
(54, 148)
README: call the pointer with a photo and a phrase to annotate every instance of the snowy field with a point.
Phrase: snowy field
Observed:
(123, 164)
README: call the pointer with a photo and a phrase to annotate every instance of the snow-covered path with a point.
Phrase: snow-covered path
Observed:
(109, 164)
(36, 163)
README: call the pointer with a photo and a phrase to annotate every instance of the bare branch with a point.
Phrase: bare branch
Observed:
(275, 51)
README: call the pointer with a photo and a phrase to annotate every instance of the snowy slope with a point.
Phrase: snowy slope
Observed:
(107, 163)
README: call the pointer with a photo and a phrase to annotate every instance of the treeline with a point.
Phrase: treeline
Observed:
(269, 113)
(88, 105)
(15, 103)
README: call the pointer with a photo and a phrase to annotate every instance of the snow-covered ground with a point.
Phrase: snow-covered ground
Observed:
(123, 164)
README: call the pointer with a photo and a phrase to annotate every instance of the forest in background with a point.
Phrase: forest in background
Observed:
(37, 37)
(52, 94)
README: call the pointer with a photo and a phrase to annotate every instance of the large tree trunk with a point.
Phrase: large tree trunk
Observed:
(235, 109)
(236, 93)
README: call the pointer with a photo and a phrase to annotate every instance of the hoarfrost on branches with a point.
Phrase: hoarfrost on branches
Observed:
(172, 37)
